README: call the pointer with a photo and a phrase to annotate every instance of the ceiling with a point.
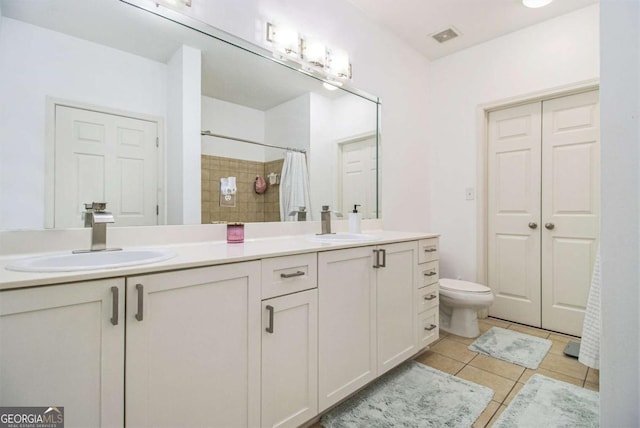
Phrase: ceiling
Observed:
(478, 21)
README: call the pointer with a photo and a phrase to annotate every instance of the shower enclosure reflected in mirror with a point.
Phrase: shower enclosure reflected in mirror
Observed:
(106, 101)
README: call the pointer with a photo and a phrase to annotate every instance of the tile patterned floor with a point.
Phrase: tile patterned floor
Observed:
(450, 354)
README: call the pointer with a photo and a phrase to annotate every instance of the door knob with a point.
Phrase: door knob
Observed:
(549, 226)
(533, 225)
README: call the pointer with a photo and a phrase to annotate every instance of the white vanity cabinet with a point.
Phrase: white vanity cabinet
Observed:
(395, 296)
(428, 292)
(366, 315)
(63, 345)
(289, 340)
(193, 347)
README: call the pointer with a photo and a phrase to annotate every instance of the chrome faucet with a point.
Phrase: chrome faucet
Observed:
(301, 214)
(96, 217)
(325, 220)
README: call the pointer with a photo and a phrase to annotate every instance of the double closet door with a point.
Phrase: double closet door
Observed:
(543, 210)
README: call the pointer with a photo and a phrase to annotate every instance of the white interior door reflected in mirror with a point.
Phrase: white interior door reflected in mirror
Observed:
(357, 177)
(104, 157)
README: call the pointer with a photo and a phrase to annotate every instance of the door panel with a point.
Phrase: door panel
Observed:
(358, 178)
(102, 157)
(571, 202)
(346, 297)
(514, 203)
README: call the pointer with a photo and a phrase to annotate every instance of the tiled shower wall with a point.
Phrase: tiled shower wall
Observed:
(250, 206)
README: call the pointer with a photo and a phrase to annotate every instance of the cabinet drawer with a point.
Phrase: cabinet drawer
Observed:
(429, 274)
(428, 327)
(289, 274)
(427, 298)
(428, 250)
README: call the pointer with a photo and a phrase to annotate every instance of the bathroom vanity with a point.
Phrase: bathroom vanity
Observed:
(271, 332)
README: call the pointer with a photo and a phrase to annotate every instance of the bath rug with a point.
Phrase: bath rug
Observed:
(412, 395)
(546, 402)
(511, 346)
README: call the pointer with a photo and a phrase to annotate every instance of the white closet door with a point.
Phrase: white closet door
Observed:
(102, 157)
(570, 208)
(514, 213)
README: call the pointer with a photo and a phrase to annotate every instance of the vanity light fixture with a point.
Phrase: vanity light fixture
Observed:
(284, 39)
(313, 52)
(534, 4)
(314, 57)
(338, 64)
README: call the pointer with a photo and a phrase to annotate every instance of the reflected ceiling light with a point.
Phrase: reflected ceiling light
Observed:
(314, 52)
(338, 64)
(174, 3)
(331, 84)
(284, 39)
(536, 3)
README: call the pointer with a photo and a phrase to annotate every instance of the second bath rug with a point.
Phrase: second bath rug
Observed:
(511, 346)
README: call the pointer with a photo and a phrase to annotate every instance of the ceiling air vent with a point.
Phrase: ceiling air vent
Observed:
(446, 35)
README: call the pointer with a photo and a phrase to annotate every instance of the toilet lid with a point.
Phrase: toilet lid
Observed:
(466, 286)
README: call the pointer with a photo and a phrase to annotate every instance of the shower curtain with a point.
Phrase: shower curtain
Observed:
(294, 185)
(590, 344)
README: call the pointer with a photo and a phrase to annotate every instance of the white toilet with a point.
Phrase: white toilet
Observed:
(460, 302)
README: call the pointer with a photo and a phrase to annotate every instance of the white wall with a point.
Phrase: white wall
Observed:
(183, 137)
(558, 52)
(620, 160)
(225, 118)
(353, 117)
(322, 162)
(35, 64)
(382, 65)
(287, 125)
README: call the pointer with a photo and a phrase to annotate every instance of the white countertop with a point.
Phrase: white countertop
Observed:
(193, 255)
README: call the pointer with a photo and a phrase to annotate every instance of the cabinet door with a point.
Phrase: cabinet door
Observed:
(60, 347)
(396, 318)
(290, 359)
(193, 348)
(347, 323)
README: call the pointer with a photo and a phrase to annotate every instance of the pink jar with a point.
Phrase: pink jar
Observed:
(235, 233)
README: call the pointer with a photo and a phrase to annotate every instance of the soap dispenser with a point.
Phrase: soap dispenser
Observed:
(354, 220)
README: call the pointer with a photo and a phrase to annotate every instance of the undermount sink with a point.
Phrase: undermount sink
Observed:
(344, 237)
(69, 262)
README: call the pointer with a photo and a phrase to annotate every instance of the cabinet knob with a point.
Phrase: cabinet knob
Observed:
(549, 226)
(533, 225)
(431, 327)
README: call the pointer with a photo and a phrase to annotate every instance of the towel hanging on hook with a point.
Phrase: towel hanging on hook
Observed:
(260, 185)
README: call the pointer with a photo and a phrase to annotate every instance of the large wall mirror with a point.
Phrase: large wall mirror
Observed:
(106, 101)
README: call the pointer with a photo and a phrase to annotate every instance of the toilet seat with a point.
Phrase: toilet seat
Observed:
(459, 286)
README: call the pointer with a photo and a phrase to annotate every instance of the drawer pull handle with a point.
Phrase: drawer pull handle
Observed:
(431, 327)
(430, 273)
(430, 297)
(269, 328)
(292, 275)
(430, 249)
(140, 289)
(114, 308)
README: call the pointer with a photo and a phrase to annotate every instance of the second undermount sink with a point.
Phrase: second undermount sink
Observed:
(69, 262)
(344, 237)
